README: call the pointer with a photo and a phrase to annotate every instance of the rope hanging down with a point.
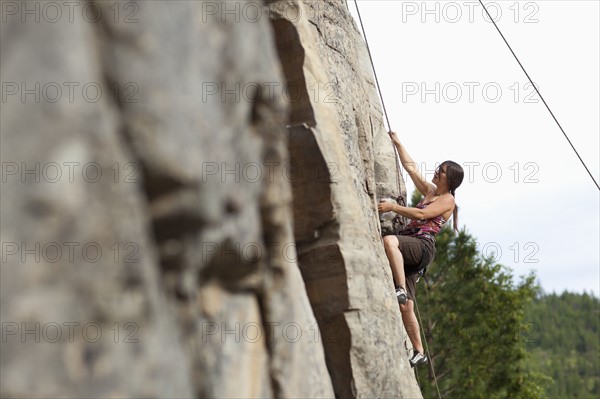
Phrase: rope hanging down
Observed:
(428, 352)
(539, 94)
(396, 156)
(372, 65)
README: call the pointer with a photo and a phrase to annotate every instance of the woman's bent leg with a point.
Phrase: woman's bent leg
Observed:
(392, 250)
(396, 259)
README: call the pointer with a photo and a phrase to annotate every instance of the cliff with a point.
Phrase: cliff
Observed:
(189, 204)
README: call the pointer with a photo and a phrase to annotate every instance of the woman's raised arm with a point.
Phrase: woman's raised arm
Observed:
(411, 167)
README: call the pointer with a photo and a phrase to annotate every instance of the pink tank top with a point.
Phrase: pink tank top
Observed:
(427, 228)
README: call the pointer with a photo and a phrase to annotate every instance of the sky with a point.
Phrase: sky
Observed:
(453, 90)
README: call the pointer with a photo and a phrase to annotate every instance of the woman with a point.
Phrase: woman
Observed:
(414, 247)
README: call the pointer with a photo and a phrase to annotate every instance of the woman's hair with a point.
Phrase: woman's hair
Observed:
(455, 175)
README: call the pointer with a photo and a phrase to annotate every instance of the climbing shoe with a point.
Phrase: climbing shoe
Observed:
(418, 359)
(401, 295)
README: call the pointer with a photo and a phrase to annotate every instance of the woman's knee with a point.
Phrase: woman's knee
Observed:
(391, 241)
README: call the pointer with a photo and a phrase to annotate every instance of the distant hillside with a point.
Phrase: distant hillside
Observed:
(564, 342)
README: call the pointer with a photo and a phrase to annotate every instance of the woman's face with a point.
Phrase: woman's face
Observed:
(440, 175)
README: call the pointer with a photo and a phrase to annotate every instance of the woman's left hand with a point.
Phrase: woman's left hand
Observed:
(385, 206)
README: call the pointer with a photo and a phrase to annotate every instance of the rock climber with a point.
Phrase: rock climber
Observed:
(413, 248)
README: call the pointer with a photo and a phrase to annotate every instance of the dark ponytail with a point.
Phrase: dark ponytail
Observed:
(455, 175)
(455, 213)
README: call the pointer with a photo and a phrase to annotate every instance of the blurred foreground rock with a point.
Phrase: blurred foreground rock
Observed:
(188, 204)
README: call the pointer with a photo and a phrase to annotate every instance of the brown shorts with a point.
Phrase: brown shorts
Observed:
(417, 253)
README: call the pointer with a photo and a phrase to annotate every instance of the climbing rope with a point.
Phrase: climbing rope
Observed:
(427, 350)
(539, 94)
(372, 64)
(396, 155)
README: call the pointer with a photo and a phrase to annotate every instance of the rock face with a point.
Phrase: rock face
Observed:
(335, 224)
(189, 204)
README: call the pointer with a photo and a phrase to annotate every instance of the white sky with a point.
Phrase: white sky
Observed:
(550, 209)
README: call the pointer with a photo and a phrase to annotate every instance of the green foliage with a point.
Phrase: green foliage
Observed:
(564, 343)
(474, 321)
